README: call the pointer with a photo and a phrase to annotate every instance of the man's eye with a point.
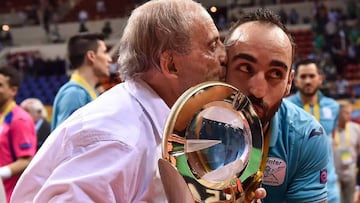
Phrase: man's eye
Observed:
(213, 45)
(244, 68)
(276, 74)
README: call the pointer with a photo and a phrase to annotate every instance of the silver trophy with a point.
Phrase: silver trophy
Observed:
(212, 146)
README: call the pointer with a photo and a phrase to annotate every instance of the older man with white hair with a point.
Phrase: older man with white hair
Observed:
(38, 112)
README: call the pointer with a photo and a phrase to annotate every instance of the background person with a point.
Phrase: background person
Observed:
(17, 136)
(88, 57)
(37, 111)
(346, 150)
(308, 79)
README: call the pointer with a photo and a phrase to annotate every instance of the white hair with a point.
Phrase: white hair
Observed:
(33, 105)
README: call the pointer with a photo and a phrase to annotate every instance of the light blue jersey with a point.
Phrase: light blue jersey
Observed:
(70, 97)
(329, 110)
(296, 167)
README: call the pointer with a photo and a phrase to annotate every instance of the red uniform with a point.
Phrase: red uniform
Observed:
(17, 139)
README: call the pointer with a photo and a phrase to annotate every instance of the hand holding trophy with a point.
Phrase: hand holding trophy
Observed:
(212, 146)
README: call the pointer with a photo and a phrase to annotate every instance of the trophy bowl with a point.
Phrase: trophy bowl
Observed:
(212, 146)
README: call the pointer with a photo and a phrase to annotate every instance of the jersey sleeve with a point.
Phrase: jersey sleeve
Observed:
(309, 182)
(23, 137)
(68, 102)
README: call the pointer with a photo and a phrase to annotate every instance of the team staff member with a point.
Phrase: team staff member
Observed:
(90, 61)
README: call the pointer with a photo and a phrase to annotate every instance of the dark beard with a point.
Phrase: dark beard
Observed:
(271, 112)
(265, 108)
(268, 112)
(3, 103)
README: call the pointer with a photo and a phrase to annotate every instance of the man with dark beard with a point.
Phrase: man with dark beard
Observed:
(308, 79)
(260, 67)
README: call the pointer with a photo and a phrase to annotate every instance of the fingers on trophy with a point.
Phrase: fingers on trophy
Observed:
(212, 147)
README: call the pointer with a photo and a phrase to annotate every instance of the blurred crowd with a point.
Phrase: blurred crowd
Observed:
(335, 48)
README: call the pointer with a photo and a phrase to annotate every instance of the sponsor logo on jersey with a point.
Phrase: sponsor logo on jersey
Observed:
(315, 132)
(323, 176)
(275, 171)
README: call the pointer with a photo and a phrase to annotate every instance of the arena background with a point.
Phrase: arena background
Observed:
(34, 33)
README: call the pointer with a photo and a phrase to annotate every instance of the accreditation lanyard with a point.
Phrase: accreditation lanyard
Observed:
(82, 82)
(347, 137)
(315, 111)
(265, 150)
(8, 108)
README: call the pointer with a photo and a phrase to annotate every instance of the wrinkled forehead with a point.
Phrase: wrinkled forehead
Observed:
(205, 24)
(201, 17)
(203, 28)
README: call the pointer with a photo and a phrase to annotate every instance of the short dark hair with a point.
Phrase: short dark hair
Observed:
(13, 74)
(79, 44)
(264, 16)
(306, 61)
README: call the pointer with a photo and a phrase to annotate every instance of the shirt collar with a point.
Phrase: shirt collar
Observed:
(150, 101)
(38, 124)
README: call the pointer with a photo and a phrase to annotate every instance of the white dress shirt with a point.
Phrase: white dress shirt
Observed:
(106, 151)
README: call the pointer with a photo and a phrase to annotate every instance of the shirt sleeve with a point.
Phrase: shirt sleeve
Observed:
(309, 182)
(70, 101)
(24, 137)
(88, 177)
(101, 171)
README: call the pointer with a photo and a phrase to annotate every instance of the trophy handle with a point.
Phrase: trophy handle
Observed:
(170, 177)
